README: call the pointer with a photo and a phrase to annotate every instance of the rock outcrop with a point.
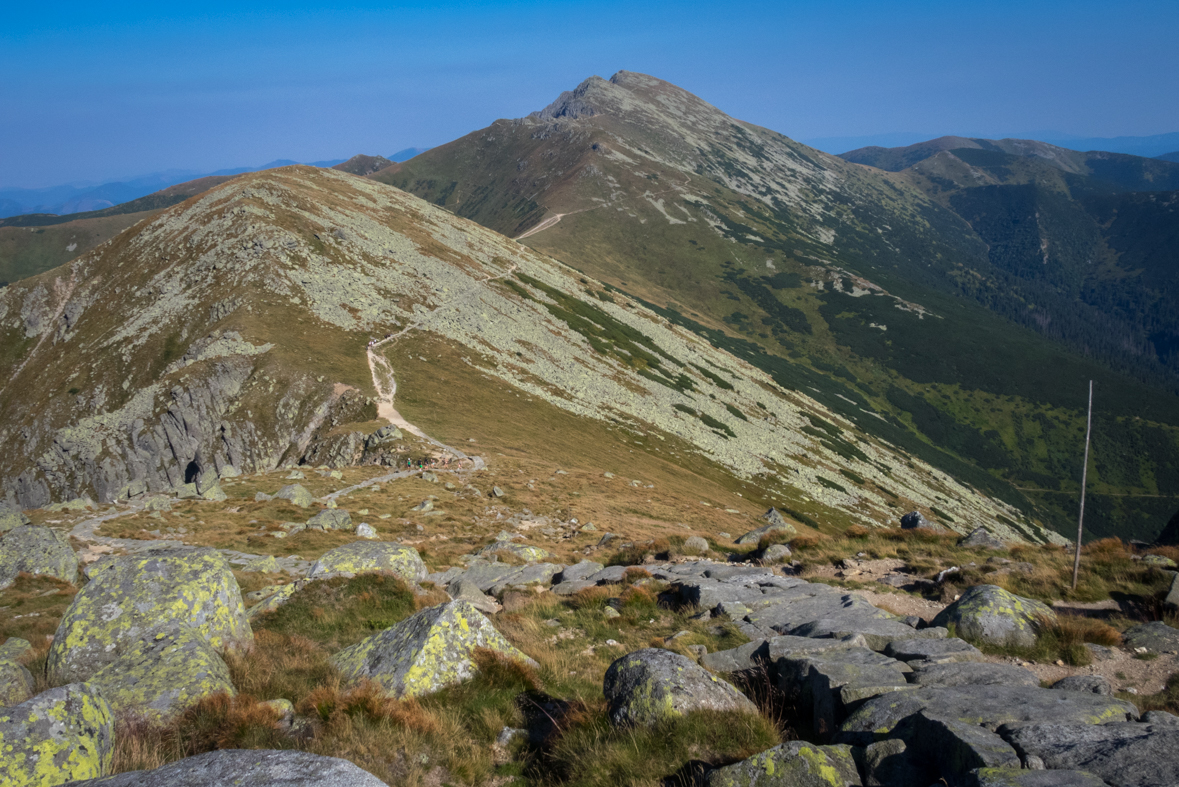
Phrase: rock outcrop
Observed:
(133, 595)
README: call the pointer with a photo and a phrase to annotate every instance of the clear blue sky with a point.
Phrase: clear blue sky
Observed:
(103, 90)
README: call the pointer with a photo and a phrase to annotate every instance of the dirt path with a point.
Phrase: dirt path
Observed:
(544, 225)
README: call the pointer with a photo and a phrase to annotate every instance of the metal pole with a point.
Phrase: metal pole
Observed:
(1084, 480)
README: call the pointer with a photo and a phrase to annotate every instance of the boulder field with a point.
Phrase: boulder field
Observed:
(881, 701)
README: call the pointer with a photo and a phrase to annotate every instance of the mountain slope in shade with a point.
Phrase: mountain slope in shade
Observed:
(231, 330)
(1114, 171)
(855, 285)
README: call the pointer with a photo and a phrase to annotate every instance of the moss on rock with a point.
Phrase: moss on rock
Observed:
(141, 593)
(160, 676)
(61, 735)
(426, 652)
(366, 557)
(296, 493)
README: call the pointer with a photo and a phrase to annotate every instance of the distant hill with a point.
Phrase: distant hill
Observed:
(1118, 170)
(64, 200)
(1169, 156)
(363, 165)
(34, 243)
(871, 290)
(407, 154)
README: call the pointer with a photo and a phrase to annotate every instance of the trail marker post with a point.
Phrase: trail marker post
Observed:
(1084, 479)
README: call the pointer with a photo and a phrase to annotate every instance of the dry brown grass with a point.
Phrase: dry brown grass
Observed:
(32, 606)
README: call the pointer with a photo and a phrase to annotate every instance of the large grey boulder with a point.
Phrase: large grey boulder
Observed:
(15, 649)
(330, 519)
(36, 550)
(793, 764)
(16, 683)
(295, 493)
(1123, 754)
(528, 554)
(774, 523)
(531, 575)
(1016, 777)
(1157, 637)
(972, 674)
(425, 652)
(163, 674)
(135, 594)
(651, 685)
(915, 519)
(58, 736)
(578, 571)
(370, 557)
(988, 706)
(253, 767)
(988, 613)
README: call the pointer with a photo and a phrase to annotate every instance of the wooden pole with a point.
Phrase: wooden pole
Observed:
(1084, 480)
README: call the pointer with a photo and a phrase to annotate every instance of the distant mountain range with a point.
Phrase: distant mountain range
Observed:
(68, 199)
(1157, 145)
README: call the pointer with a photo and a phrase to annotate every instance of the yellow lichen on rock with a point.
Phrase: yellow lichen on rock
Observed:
(425, 652)
(191, 588)
(365, 557)
(62, 735)
(162, 675)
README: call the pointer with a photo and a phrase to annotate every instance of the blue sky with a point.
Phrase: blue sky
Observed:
(99, 91)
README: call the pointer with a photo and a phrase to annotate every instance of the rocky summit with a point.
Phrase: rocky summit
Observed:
(624, 443)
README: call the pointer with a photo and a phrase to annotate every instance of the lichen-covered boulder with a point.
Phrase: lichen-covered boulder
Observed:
(370, 557)
(528, 554)
(279, 595)
(296, 493)
(58, 736)
(162, 675)
(36, 550)
(793, 764)
(981, 538)
(650, 685)
(140, 593)
(15, 649)
(16, 683)
(253, 767)
(330, 519)
(988, 613)
(425, 652)
(774, 523)
(11, 517)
